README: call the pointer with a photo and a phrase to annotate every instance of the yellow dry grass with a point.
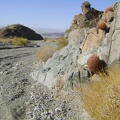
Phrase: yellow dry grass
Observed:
(5, 40)
(45, 53)
(102, 96)
(60, 85)
(18, 41)
(61, 42)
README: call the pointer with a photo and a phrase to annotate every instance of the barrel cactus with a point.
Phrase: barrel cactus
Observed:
(95, 65)
(102, 26)
(109, 9)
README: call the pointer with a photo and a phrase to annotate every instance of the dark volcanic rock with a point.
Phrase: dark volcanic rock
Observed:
(20, 31)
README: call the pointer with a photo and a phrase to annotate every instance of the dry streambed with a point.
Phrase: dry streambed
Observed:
(22, 98)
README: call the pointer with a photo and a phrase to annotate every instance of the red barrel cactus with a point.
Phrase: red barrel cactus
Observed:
(102, 26)
(109, 9)
(95, 65)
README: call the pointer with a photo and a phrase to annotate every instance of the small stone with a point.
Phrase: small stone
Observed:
(1, 72)
(69, 108)
(30, 114)
(58, 109)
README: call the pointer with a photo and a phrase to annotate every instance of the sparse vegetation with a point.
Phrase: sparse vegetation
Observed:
(60, 85)
(61, 42)
(2, 40)
(102, 96)
(18, 41)
(45, 53)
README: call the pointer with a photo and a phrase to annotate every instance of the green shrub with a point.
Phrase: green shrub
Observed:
(61, 42)
(18, 41)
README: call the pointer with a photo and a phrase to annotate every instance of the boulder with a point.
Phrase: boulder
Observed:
(86, 6)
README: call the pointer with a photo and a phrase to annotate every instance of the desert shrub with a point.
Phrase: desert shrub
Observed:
(61, 42)
(5, 40)
(109, 9)
(45, 53)
(102, 96)
(18, 41)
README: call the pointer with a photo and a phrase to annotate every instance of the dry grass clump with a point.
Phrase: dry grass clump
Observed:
(5, 40)
(61, 42)
(102, 96)
(59, 85)
(45, 53)
(18, 41)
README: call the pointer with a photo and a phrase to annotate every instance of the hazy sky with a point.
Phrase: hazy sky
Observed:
(44, 13)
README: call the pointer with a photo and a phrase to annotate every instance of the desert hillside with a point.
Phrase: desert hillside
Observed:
(19, 31)
(74, 77)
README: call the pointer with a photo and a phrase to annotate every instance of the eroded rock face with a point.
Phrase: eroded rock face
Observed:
(70, 63)
(109, 50)
(85, 7)
(89, 18)
(64, 63)
(92, 40)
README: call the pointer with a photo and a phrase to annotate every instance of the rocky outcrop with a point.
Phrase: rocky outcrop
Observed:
(19, 31)
(101, 43)
(62, 62)
(70, 63)
(89, 18)
(109, 48)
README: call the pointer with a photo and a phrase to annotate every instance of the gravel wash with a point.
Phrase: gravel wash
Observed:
(22, 98)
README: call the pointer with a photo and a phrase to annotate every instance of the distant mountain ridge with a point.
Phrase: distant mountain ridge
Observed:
(53, 35)
(47, 30)
(50, 32)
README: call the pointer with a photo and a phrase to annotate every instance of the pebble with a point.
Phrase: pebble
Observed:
(1, 72)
